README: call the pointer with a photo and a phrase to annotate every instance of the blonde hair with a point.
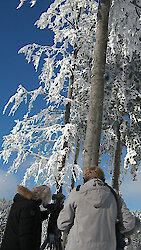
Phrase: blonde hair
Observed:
(94, 172)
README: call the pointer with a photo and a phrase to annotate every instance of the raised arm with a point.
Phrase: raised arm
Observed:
(66, 216)
(126, 218)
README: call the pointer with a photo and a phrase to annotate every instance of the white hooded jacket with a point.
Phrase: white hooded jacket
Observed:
(89, 217)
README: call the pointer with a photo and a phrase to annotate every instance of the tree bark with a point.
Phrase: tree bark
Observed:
(94, 124)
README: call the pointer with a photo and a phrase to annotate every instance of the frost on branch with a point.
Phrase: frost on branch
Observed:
(124, 28)
(42, 137)
(22, 95)
(18, 98)
(73, 25)
(47, 169)
(33, 52)
(32, 3)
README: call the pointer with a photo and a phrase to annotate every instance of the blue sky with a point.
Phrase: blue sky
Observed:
(17, 30)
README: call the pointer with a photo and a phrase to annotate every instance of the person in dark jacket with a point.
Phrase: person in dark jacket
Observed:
(89, 215)
(23, 228)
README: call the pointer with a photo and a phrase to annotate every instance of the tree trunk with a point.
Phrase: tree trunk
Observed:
(68, 106)
(67, 115)
(94, 124)
(117, 162)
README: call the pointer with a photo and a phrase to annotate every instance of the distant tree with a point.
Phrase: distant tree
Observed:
(44, 231)
(136, 237)
(4, 211)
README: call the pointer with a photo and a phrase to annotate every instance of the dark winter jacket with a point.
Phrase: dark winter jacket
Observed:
(89, 216)
(23, 229)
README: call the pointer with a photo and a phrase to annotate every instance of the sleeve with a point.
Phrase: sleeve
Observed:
(126, 218)
(26, 227)
(66, 216)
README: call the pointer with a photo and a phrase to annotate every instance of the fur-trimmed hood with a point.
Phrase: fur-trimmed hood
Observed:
(25, 192)
(42, 193)
(24, 223)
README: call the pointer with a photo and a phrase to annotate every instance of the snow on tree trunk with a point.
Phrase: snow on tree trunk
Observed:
(117, 161)
(66, 120)
(75, 162)
(93, 133)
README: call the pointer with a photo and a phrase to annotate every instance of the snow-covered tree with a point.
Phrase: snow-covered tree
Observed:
(65, 82)
(122, 95)
(50, 135)
(4, 211)
(122, 119)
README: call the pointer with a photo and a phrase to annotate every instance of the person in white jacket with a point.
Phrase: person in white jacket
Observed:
(90, 214)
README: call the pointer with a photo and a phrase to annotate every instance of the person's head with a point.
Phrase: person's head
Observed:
(93, 172)
(42, 193)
